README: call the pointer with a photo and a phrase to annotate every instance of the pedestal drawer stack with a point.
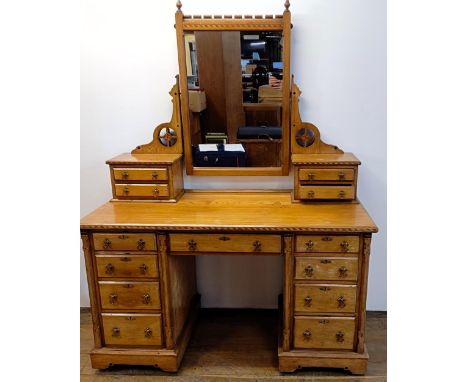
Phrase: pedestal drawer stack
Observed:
(325, 291)
(128, 289)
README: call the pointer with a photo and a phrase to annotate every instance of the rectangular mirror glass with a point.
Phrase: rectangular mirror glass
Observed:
(234, 81)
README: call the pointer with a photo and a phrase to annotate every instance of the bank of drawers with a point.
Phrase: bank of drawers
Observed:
(129, 291)
(326, 274)
(225, 243)
(141, 183)
(325, 183)
(147, 177)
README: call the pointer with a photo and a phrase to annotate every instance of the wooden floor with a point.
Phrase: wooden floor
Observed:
(217, 352)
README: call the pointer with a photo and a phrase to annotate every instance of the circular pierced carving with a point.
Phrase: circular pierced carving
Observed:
(305, 137)
(167, 136)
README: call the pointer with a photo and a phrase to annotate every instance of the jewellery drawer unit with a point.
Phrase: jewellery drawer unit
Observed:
(325, 177)
(148, 177)
(140, 260)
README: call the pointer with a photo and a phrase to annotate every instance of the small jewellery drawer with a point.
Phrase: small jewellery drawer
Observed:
(326, 192)
(124, 242)
(132, 329)
(140, 174)
(129, 295)
(126, 265)
(225, 243)
(324, 332)
(326, 174)
(327, 243)
(322, 298)
(326, 268)
(142, 190)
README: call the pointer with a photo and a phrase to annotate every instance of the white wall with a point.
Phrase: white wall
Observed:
(128, 64)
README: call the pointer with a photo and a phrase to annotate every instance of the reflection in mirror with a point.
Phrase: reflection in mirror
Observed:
(235, 97)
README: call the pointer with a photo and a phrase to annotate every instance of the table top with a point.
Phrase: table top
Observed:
(231, 211)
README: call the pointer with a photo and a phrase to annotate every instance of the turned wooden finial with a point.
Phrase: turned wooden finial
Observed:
(178, 5)
(286, 5)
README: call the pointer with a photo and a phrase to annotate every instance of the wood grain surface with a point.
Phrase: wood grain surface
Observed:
(241, 211)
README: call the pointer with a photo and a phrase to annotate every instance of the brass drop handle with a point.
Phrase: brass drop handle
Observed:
(192, 244)
(106, 243)
(109, 269)
(311, 175)
(309, 270)
(112, 298)
(143, 268)
(309, 245)
(311, 194)
(344, 246)
(146, 298)
(307, 334)
(148, 332)
(257, 245)
(342, 194)
(154, 175)
(115, 332)
(125, 174)
(343, 271)
(339, 336)
(126, 190)
(307, 300)
(341, 175)
(141, 244)
(156, 192)
(341, 302)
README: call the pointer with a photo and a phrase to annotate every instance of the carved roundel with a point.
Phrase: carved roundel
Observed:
(167, 136)
(305, 137)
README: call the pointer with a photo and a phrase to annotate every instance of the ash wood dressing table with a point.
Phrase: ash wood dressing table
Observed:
(140, 248)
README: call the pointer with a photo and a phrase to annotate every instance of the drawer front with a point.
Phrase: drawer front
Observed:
(326, 192)
(140, 174)
(129, 295)
(124, 242)
(153, 191)
(127, 265)
(323, 298)
(327, 243)
(326, 268)
(327, 174)
(225, 243)
(324, 332)
(132, 329)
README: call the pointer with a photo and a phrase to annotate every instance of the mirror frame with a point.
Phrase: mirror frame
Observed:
(185, 23)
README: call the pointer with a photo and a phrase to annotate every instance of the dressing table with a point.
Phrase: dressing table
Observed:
(140, 248)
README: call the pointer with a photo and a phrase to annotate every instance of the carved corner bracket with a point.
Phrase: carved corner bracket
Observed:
(167, 137)
(305, 137)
